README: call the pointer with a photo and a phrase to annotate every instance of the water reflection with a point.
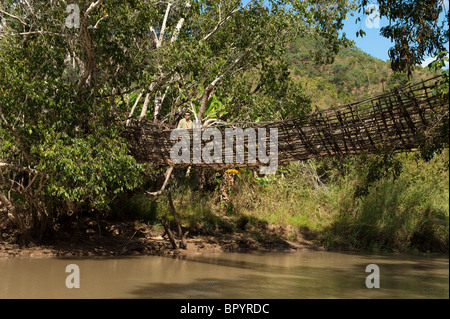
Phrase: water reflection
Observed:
(285, 276)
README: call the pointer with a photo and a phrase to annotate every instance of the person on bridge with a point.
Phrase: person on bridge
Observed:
(186, 123)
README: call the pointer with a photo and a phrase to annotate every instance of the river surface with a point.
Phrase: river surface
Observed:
(309, 274)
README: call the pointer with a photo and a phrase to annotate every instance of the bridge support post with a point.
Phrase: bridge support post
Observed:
(183, 244)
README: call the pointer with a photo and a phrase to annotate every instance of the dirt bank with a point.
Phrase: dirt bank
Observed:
(130, 238)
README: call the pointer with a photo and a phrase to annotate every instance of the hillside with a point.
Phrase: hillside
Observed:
(353, 75)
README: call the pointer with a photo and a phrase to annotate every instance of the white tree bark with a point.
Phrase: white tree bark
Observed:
(144, 107)
(163, 26)
(133, 108)
(158, 105)
(177, 30)
(227, 17)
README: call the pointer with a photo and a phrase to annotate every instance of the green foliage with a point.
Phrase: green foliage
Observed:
(408, 213)
(63, 96)
(397, 80)
(401, 210)
(90, 171)
(440, 89)
(415, 30)
(373, 168)
(50, 123)
(136, 207)
(438, 65)
(354, 75)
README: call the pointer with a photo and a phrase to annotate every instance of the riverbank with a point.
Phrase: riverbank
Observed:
(109, 238)
(307, 206)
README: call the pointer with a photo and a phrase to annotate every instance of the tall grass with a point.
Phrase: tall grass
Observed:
(407, 213)
(403, 210)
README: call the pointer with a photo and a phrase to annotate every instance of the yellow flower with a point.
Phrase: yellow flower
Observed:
(232, 170)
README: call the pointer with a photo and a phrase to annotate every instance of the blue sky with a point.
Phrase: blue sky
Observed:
(372, 42)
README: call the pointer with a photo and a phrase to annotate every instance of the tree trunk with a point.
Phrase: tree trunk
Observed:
(183, 244)
(205, 99)
(158, 105)
(14, 216)
(169, 233)
(133, 108)
(144, 107)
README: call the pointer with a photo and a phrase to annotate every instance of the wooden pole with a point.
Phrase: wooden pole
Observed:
(169, 233)
(183, 244)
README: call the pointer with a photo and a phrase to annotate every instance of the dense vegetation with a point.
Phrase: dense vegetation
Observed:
(69, 85)
(336, 204)
(354, 75)
(378, 203)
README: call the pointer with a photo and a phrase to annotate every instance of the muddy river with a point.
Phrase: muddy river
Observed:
(309, 274)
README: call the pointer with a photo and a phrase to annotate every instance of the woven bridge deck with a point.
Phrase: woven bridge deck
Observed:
(400, 120)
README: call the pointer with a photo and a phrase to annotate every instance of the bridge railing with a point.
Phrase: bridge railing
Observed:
(402, 119)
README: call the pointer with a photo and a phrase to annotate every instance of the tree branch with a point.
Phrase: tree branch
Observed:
(155, 37)
(222, 22)
(166, 181)
(13, 16)
(91, 8)
(211, 86)
(163, 26)
(35, 32)
(12, 212)
(25, 169)
(99, 20)
(133, 108)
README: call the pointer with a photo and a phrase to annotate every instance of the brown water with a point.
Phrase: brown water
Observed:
(286, 276)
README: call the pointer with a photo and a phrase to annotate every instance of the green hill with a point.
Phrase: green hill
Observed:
(353, 75)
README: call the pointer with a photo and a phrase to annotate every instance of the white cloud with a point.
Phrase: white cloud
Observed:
(428, 60)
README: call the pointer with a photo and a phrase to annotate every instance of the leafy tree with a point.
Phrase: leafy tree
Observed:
(397, 80)
(415, 28)
(69, 84)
